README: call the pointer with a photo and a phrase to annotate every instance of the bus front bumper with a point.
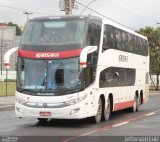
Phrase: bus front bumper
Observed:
(70, 112)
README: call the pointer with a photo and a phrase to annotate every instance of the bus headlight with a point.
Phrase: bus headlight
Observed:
(71, 102)
(20, 101)
(76, 110)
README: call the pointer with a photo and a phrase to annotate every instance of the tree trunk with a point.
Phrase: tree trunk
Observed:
(152, 81)
(157, 83)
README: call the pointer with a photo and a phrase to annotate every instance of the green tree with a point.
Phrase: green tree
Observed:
(153, 36)
(149, 32)
(18, 30)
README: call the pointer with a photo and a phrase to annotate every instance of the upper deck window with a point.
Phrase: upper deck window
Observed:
(115, 38)
(53, 32)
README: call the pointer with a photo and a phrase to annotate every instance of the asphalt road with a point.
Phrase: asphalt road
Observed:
(146, 122)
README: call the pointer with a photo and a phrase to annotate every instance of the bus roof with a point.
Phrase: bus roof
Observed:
(89, 17)
(64, 17)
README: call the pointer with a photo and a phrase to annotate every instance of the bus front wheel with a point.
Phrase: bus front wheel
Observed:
(107, 110)
(42, 120)
(98, 116)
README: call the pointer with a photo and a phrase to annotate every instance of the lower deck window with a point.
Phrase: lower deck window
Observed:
(114, 77)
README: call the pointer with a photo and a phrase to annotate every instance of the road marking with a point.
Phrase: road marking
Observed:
(107, 127)
(6, 106)
(116, 125)
(152, 113)
(86, 134)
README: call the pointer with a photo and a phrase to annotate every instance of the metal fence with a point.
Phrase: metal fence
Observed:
(153, 81)
(7, 41)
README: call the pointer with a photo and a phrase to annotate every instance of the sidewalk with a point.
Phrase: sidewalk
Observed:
(7, 102)
(153, 92)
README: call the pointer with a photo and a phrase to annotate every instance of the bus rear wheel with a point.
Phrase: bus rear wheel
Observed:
(136, 105)
(98, 116)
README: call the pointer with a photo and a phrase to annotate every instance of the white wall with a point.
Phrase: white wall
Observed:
(11, 75)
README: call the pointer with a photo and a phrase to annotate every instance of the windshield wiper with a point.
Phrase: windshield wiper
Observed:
(39, 90)
(64, 89)
(32, 90)
(22, 90)
(73, 89)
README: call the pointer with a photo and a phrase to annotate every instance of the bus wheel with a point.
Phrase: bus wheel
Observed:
(98, 116)
(138, 104)
(107, 110)
(42, 120)
(135, 106)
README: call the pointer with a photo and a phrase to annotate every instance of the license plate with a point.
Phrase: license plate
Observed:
(45, 113)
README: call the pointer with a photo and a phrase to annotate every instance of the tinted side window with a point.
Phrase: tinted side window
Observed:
(90, 71)
(116, 77)
(106, 37)
(145, 48)
(94, 32)
(89, 76)
(93, 38)
(121, 40)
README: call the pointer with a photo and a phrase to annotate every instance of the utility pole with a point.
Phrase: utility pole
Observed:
(28, 13)
(69, 5)
(1, 49)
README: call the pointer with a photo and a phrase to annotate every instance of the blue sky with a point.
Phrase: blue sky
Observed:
(132, 13)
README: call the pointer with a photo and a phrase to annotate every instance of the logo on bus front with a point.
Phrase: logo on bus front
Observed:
(47, 55)
(45, 94)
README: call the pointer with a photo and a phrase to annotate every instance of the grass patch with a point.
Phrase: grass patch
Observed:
(11, 88)
(10, 80)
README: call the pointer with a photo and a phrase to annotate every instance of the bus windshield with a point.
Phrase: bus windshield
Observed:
(53, 32)
(49, 75)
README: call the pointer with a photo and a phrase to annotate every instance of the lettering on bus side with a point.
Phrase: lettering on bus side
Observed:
(47, 55)
(123, 58)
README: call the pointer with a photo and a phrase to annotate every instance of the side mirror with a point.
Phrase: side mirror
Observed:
(116, 74)
(7, 57)
(83, 56)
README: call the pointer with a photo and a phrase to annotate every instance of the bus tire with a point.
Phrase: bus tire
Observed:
(98, 116)
(135, 106)
(42, 120)
(107, 110)
(138, 103)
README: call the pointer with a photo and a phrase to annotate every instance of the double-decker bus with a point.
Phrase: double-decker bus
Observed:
(75, 67)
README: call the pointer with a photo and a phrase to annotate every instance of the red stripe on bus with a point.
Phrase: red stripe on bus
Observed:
(83, 63)
(119, 106)
(49, 55)
(6, 64)
(143, 101)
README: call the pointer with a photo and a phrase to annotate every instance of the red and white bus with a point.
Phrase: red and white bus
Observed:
(74, 67)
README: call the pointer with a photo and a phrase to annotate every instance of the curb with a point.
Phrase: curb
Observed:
(6, 107)
(154, 93)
